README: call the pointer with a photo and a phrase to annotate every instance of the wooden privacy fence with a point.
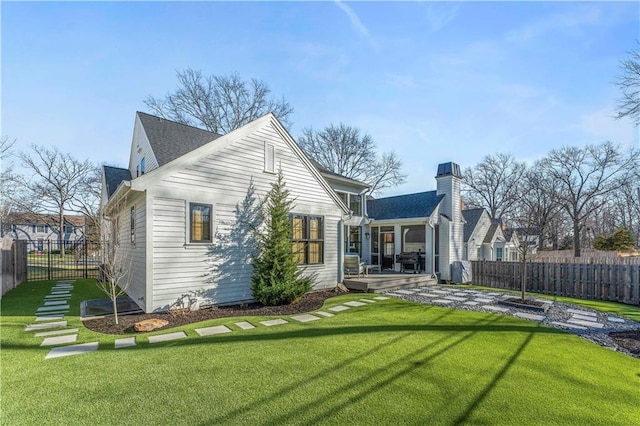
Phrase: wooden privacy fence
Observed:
(13, 263)
(614, 282)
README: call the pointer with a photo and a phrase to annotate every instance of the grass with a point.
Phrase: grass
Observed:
(392, 362)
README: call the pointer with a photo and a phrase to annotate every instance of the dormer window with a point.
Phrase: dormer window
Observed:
(353, 201)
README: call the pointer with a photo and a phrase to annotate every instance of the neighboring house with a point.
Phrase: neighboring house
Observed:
(179, 213)
(489, 239)
(477, 224)
(37, 229)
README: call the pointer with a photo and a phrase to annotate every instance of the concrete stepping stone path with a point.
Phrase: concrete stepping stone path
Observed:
(456, 298)
(305, 318)
(167, 337)
(381, 298)
(368, 300)
(245, 325)
(355, 304)
(445, 301)
(57, 332)
(472, 303)
(429, 295)
(55, 303)
(271, 323)
(482, 300)
(589, 324)
(46, 325)
(209, 331)
(496, 308)
(531, 317)
(325, 314)
(52, 308)
(615, 319)
(72, 350)
(566, 325)
(49, 318)
(593, 318)
(59, 340)
(339, 308)
(125, 342)
(57, 296)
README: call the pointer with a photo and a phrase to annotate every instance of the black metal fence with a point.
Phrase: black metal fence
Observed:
(51, 260)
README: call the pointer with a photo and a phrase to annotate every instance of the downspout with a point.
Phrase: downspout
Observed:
(340, 250)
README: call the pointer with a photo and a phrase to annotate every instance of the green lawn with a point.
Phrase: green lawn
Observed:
(392, 362)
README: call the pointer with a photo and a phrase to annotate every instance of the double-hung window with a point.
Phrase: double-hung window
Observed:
(200, 223)
(133, 224)
(307, 239)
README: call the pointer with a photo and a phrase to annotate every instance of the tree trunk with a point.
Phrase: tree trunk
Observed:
(576, 239)
(114, 302)
(61, 232)
(523, 277)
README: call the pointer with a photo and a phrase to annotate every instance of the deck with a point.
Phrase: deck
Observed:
(387, 281)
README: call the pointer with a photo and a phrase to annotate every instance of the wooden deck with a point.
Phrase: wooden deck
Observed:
(378, 283)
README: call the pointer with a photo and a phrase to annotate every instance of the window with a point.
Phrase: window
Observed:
(137, 170)
(133, 224)
(307, 238)
(142, 167)
(355, 204)
(353, 241)
(498, 253)
(344, 197)
(479, 253)
(68, 229)
(269, 158)
(40, 228)
(200, 229)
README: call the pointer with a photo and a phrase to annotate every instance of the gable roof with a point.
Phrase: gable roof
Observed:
(170, 140)
(421, 204)
(471, 217)
(113, 176)
(490, 233)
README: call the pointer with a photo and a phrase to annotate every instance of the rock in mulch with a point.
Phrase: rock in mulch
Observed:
(149, 325)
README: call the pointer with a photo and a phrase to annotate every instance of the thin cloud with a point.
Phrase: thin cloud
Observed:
(554, 23)
(356, 23)
(439, 15)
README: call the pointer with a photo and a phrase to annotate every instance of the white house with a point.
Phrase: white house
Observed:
(180, 211)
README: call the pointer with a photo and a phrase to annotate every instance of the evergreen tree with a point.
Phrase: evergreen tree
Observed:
(276, 278)
(621, 240)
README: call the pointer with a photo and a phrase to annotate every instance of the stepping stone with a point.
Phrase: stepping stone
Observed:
(208, 331)
(496, 308)
(325, 314)
(55, 302)
(368, 300)
(305, 318)
(59, 340)
(483, 300)
(471, 303)
(429, 295)
(440, 291)
(463, 294)
(403, 292)
(494, 294)
(394, 294)
(381, 298)
(46, 325)
(167, 337)
(125, 343)
(72, 350)
(455, 298)
(445, 301)
(585, 317)
(565, 325)
(578, 311)
(245, 325)
(270, 323)
(57, 332)
(52, 313)
(49, 318)
(52, 308)
(355, 304)
(615, 319)
(590, 324)
(57, 296)
(532, 317)
(339, 308)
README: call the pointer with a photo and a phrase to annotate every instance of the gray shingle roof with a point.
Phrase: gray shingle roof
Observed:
(471, 217)
(113, 176)
(407, 206)
(170, 140)
(490, 233)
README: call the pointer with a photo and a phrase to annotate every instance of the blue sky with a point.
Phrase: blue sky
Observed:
(434, 82)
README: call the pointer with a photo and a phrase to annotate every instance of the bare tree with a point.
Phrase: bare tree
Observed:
(495, 183)
(115, 274)
(629, 83)
(87, 202)
(584, 177)
(526, 218)
(52, 183)
(7, 180)
(218, 103)
(347, 151)
(537, 204)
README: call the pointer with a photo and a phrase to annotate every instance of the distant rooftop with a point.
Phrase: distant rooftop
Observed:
(421, 204)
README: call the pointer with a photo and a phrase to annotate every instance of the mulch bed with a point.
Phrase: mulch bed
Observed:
(309, 302)
(630, 340)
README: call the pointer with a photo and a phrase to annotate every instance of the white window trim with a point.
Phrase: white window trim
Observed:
(269, 167)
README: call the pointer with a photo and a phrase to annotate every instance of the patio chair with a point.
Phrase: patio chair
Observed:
(352, 265)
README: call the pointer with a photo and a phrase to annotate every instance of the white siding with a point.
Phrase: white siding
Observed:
(220, 272)
(141, 148)
(134, 254)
